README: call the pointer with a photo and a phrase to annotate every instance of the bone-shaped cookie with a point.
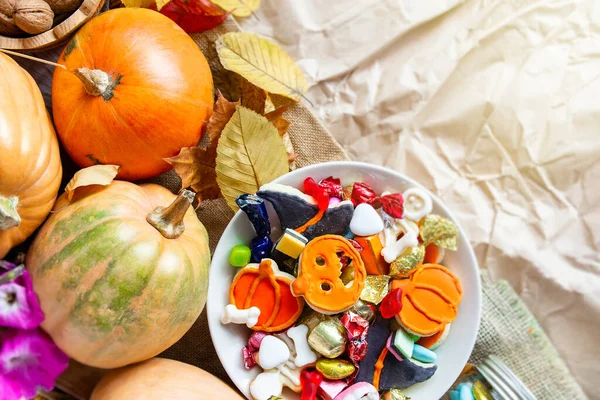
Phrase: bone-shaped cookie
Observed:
(233, 315)
(304, 355)
(393, 248)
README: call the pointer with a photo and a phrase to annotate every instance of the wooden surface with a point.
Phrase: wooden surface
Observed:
(57, 35)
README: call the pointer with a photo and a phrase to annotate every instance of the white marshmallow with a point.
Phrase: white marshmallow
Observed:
(365, 221)
(233, 315)
(304, 355)
(272, 352)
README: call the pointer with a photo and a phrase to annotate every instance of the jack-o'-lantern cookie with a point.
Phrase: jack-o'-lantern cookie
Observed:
(430, 299)
(319, 273)
(264, 286)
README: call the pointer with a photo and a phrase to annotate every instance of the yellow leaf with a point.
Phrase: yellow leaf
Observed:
(239, 8)
(196, 166)
(250, 153)
(262, 62)
(160, 4)
(138, 3)
(94, 175)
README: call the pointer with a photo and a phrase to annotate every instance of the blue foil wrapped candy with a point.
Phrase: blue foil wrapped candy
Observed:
(256, 210)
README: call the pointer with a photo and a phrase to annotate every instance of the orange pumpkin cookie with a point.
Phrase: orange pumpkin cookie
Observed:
(319, 275)
(430, 299)
(264, 286)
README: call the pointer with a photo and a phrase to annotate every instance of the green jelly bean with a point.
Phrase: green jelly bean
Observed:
(240, 256)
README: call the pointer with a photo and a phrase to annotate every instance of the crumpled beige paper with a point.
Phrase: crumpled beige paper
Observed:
(492, 104)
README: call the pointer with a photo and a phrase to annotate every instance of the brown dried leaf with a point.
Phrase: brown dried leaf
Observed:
(196, 166)
(253, 97)
(94, 175)
(227, 82)
(276, 118)
(222, 112)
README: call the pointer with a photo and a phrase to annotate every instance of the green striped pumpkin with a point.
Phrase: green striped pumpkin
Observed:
(115, 287)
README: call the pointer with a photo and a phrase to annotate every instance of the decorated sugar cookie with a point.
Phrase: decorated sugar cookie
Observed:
(265, 287)
(430, 299)
(319, 275)
(383, 368)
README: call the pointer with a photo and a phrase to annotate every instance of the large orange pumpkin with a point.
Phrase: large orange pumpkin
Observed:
(120, 277)
(30, 169)
(161, 379)
(140, 90)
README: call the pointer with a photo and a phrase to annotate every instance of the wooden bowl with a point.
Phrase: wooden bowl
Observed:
(59, 34)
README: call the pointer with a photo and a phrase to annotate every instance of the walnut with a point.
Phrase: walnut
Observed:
(33, 16)
(63, 6)
(7, 24)
(7, 7)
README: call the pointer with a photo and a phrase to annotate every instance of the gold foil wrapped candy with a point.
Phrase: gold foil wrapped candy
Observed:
(335, 369)
(376, 287)
(406, 263)
(364, 310)
(328, 338)
(480, 392)
(310, 318)
(394, 394)
(440, 231)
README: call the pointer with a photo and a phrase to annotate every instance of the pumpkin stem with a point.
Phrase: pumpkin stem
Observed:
(96, 82)
(169, 220)
(9, 216)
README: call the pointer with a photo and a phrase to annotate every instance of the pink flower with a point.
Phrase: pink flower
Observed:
(19, 306)
(29, 361)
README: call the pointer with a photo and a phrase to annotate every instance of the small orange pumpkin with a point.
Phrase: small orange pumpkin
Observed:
(136, 89)
(430, 299)
(266, 287)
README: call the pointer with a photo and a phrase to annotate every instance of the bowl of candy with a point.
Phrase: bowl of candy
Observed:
(342, 281)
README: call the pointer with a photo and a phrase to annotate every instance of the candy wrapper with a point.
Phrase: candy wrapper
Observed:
(440, 231)
(249, 351)
(332, 186)
(362, 193)
(356, 326)
(357, 350)
(256, 210)
(406, 262)
(392, 204)
(376, 287)
(365, 310)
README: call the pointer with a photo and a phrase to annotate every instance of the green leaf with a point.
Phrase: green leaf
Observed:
(261, 62)
(250, 153)
(239, 8)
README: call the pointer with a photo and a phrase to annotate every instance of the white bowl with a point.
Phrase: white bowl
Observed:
(451, 356)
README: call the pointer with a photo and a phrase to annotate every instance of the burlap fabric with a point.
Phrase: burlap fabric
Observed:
(508, 329)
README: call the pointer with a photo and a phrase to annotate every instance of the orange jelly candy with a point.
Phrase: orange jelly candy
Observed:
(371, 255)
(266, 287)
(319, 275)
(430, 299)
